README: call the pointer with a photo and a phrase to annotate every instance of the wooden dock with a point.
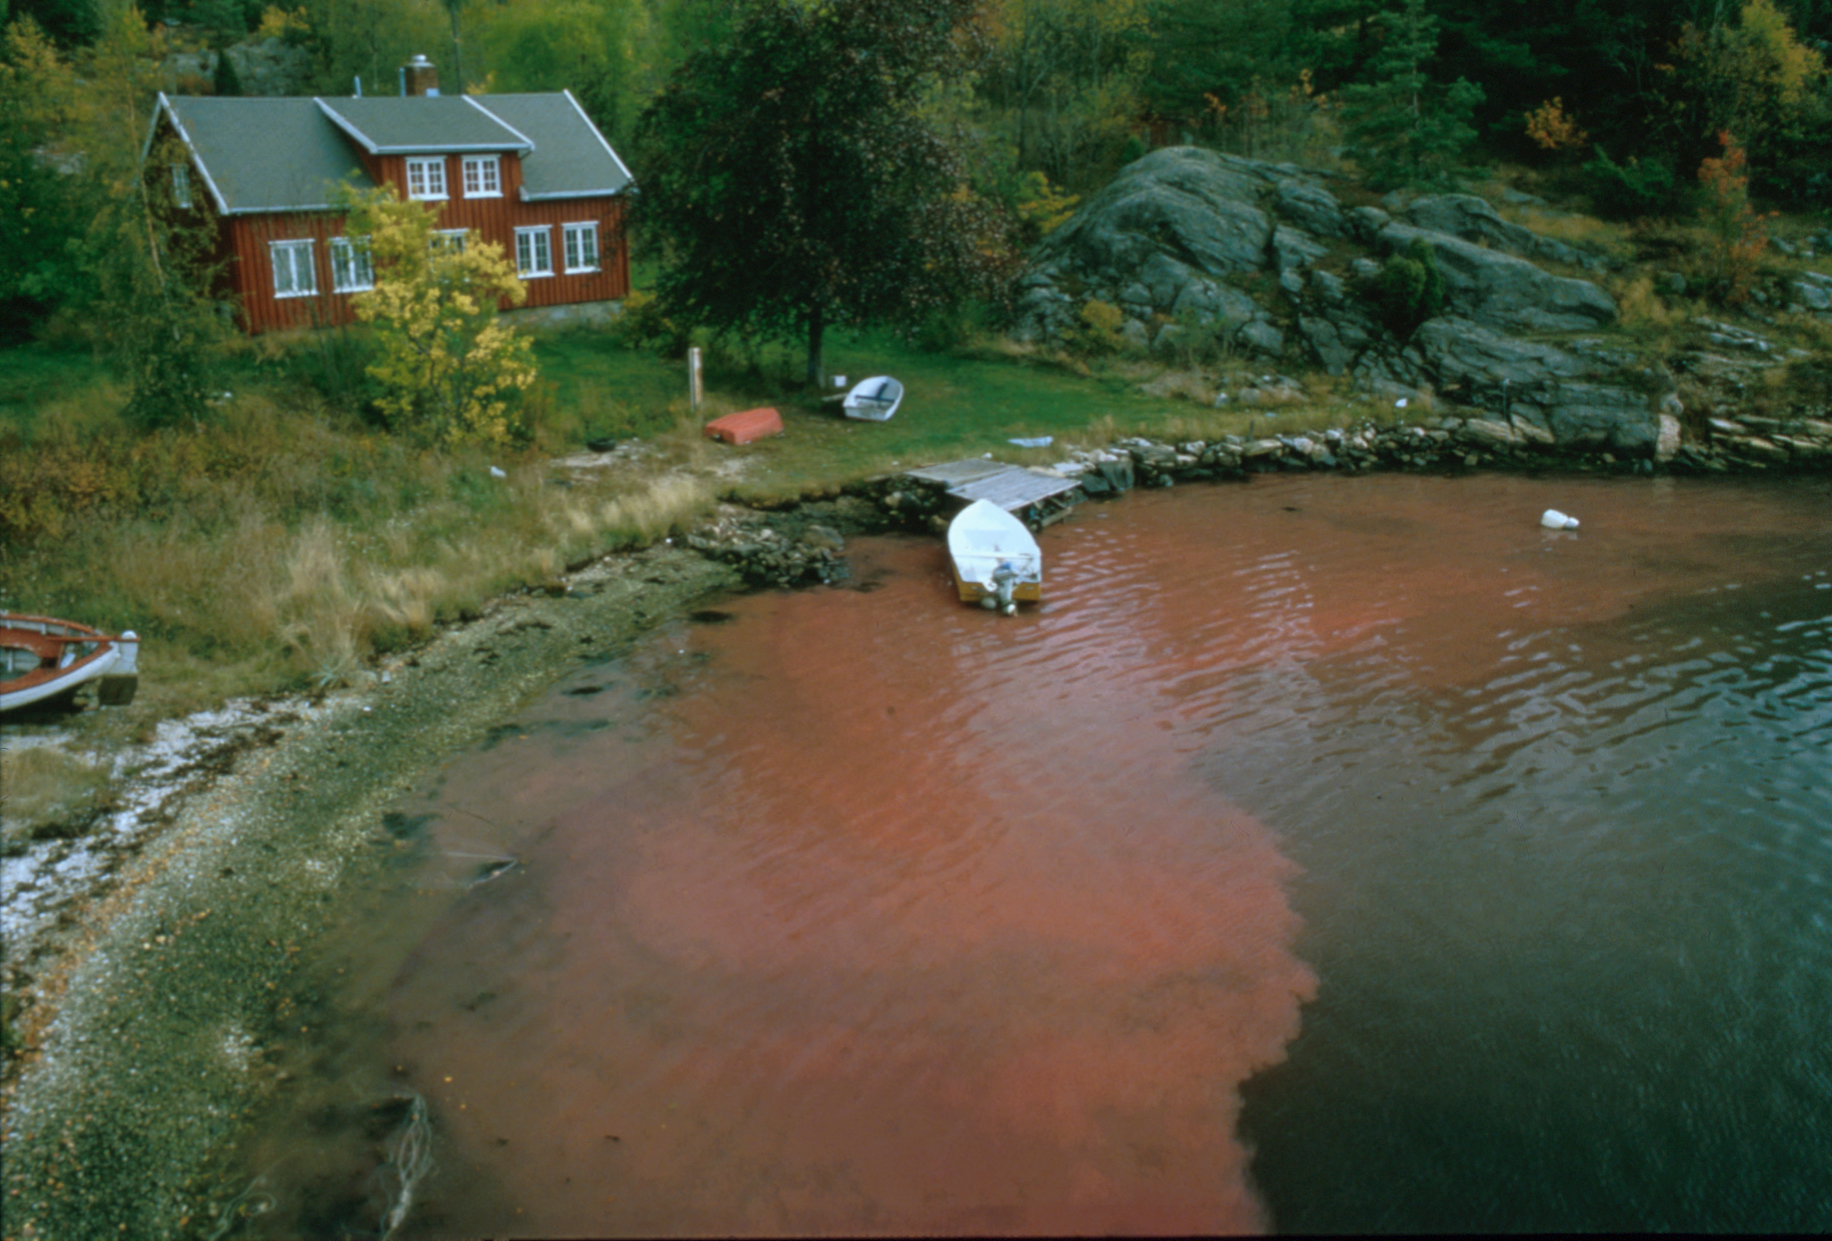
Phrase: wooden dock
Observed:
(1011, 487)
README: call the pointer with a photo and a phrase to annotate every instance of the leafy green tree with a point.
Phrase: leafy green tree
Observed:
(451, 371)
(1403, 128)
(149, 261)
(39, 216)
(604, 51)
(371, 39)
(156, 313)
(796, 183)
(70, 23)
(1068, 73)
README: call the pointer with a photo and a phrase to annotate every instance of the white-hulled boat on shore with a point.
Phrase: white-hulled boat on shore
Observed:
(42, 659)
(874, 399)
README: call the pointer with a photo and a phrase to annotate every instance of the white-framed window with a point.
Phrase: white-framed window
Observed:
(582, 246)
(483, 176)
(449, 240)
(534, 251)
(181, 184)
(426, 177)
(352, 270)
(295, 275)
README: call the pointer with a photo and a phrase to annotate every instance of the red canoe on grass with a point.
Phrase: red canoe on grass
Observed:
(42, 659)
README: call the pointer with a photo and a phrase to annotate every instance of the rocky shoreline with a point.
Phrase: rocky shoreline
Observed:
(805, 545)
(170, 1008)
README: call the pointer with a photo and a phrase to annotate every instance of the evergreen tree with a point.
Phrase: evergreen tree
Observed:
(225, 81)
(1403, 128)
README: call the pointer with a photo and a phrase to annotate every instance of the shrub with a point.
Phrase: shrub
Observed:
(1407, 290)
(449, 368)
(1739, 234)
(1042, 208)
(1201, 341)
(1099, 330)
(1641, 187)
(642, 325)
(950, 327)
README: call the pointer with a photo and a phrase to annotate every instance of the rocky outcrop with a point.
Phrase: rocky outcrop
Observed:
(262, 66)
(1499, 290)
(1267, 257)
(1472, 219)
(1169, 236)
(1196, 248)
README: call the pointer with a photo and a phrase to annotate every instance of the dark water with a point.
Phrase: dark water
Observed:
(1324, 855)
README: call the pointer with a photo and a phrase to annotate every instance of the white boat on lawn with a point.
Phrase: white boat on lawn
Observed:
(42, 659)
(997, 563)
(875, 399)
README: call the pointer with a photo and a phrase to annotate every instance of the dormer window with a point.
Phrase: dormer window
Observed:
(426, 177)
(483, 176)
(181, 184)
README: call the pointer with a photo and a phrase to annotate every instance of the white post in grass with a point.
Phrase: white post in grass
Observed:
(695, 392)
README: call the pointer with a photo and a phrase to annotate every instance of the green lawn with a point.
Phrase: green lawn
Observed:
(37, 374)
(955, 404)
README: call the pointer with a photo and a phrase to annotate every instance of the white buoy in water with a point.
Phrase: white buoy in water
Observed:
(1552, 519)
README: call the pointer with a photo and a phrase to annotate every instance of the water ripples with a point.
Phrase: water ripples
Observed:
(868, 911)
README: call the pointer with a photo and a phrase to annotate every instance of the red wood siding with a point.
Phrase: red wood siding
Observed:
(252, 273)
(493, 219)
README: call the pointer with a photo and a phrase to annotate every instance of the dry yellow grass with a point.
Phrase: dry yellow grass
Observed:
(48, 786)
(1566, 226)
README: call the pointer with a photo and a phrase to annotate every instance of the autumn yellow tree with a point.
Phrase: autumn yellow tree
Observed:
(451, 370)
(1756, 78)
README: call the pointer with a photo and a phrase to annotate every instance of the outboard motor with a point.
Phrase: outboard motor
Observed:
(1004, 586)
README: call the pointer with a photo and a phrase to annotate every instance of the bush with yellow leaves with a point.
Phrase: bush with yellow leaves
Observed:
(452, 372)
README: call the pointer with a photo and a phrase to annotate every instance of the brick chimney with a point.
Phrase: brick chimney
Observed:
(420, 77)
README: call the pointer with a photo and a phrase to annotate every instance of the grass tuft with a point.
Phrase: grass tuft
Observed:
(51, 793)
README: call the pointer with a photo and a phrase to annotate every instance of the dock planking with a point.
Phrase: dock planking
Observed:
(1011, 487)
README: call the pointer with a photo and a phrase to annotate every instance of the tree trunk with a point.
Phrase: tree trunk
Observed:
(817, 327)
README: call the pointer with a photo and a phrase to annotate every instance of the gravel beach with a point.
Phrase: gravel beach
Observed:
(143, 1044)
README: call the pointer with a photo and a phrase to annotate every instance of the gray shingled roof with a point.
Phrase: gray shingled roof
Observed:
(570, 159)
(265, 154)
(421, 124)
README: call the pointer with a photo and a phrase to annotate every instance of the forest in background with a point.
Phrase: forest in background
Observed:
(1635, 90)
(1624, 108)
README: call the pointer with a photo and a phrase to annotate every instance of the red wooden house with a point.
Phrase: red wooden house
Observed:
(529, 172)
